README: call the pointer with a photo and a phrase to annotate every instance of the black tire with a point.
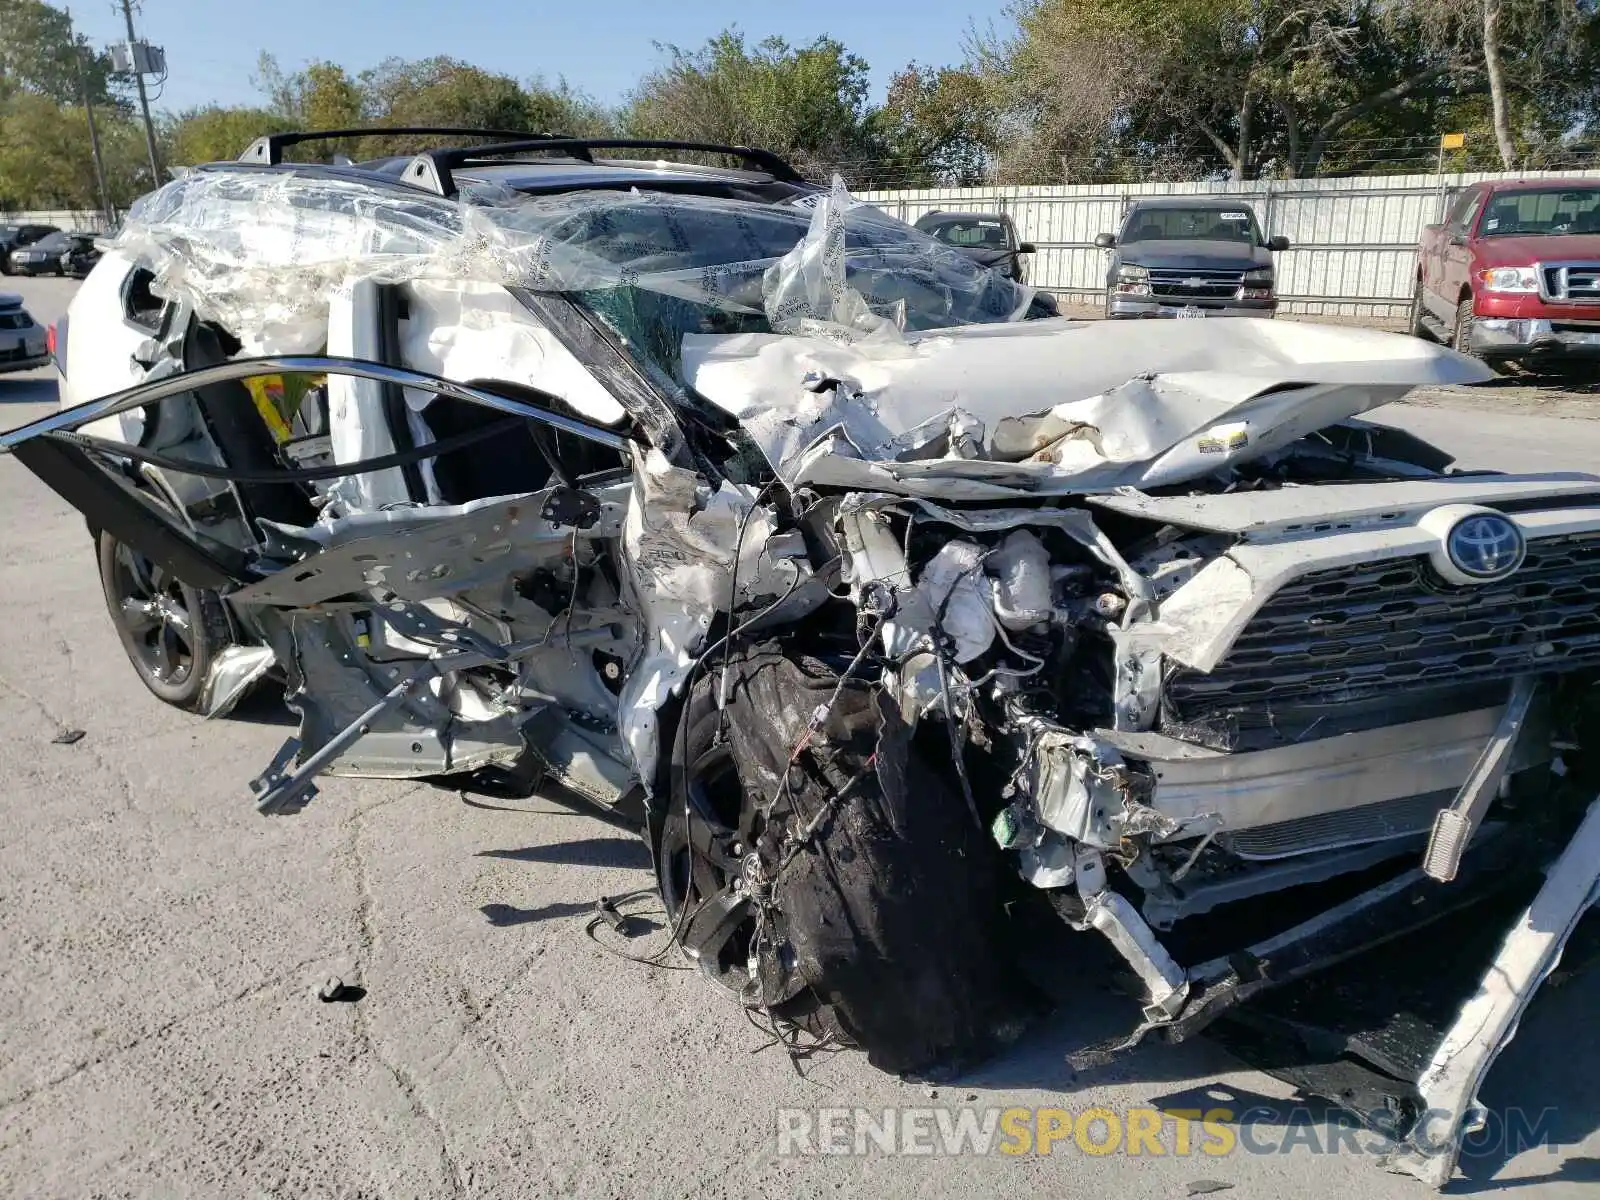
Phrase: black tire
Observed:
(1461, 331)
(171, 632)
(885, 926)
(1415, 325)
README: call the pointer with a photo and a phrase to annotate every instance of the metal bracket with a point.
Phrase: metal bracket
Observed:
(1454, 826)
(280, 791)
(571, 507)
(1449, 1085)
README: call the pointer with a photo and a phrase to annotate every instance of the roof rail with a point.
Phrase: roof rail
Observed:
(269, 149)
(434, 169)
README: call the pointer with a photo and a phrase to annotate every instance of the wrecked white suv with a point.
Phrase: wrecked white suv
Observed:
(898, 608)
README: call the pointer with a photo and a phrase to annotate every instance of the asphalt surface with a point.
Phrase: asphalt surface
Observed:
(162, 944)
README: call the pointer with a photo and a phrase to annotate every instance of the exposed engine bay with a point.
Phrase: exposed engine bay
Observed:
(894, 636)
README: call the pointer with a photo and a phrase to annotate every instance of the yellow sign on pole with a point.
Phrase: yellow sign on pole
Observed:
(1452, 141)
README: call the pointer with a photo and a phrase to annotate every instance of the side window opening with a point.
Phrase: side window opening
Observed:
(141, 307)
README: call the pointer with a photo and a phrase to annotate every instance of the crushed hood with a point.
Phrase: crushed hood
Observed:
(1053, 406)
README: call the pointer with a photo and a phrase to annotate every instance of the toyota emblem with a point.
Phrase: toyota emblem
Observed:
(1486, 546)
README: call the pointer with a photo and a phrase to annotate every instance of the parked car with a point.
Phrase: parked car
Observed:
(23, 341)
(1180, 257)
(987, 238)
(1513, 271)
(47, 256)
(80, 257)
(920, 628)
(15, 235)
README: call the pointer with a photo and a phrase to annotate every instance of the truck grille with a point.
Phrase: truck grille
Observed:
(1195, 285)
(1388, 628)
(1573, 282)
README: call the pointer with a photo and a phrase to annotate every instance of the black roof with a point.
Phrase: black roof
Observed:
(1191, 202)
(530, 162)
(940, 217)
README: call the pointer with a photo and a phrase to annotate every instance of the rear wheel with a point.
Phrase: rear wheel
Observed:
(170, 631)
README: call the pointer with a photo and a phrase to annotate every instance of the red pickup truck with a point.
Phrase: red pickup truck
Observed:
(1514, 271)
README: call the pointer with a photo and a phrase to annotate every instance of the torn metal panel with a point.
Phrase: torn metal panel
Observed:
(1488, 1021)
(233, 672)
(1296, 512)
(1326, 776)
(684, 545)
(421, 553)
(357, 427)
(1080, 787)
(466, 330)
(1145, 407)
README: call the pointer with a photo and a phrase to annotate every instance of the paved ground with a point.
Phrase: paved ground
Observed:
(159, 1035)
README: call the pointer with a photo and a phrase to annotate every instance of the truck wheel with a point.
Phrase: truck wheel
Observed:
(1415, 325)
(170, 631)
(1461, 336)
(832, 876)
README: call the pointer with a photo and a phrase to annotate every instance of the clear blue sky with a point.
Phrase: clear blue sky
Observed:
(600, 46)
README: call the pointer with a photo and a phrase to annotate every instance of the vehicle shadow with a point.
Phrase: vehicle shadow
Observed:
(263, 705)
(1576, 379)
(586, 852)
(28, 391)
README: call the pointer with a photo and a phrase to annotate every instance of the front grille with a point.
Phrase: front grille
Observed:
(1407, 816)
(1391, 628)
(1195, 285)
(1575, 282)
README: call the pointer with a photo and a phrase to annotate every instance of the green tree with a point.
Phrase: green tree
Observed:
(45, 161)
(1536, 59)
(936, 127)
(320, 96)
(216, 134)
(38, 50)
(1233, 85)
(445, 91)
(808, 103)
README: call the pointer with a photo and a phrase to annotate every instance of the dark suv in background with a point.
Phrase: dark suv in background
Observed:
(989, 238)
(1180, 257)
(13, 236)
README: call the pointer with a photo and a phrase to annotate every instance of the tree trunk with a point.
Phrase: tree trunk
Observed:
(1241, 163)
(1497, 83)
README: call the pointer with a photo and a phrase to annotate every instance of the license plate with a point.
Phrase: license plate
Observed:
(1189, 311)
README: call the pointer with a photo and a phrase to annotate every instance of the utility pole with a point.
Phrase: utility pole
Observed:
(94, 134)
(144, 100)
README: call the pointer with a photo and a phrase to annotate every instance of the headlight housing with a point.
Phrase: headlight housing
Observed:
(1509, 279)
(1260, 277)
(1133, 280)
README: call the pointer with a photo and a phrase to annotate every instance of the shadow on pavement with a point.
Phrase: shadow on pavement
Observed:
(27, 391)
(589, 852)
(504, 915)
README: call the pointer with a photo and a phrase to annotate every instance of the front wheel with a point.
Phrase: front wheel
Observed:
(1461, 335)
(170, 631)
(827, 870)
(1415, 325)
